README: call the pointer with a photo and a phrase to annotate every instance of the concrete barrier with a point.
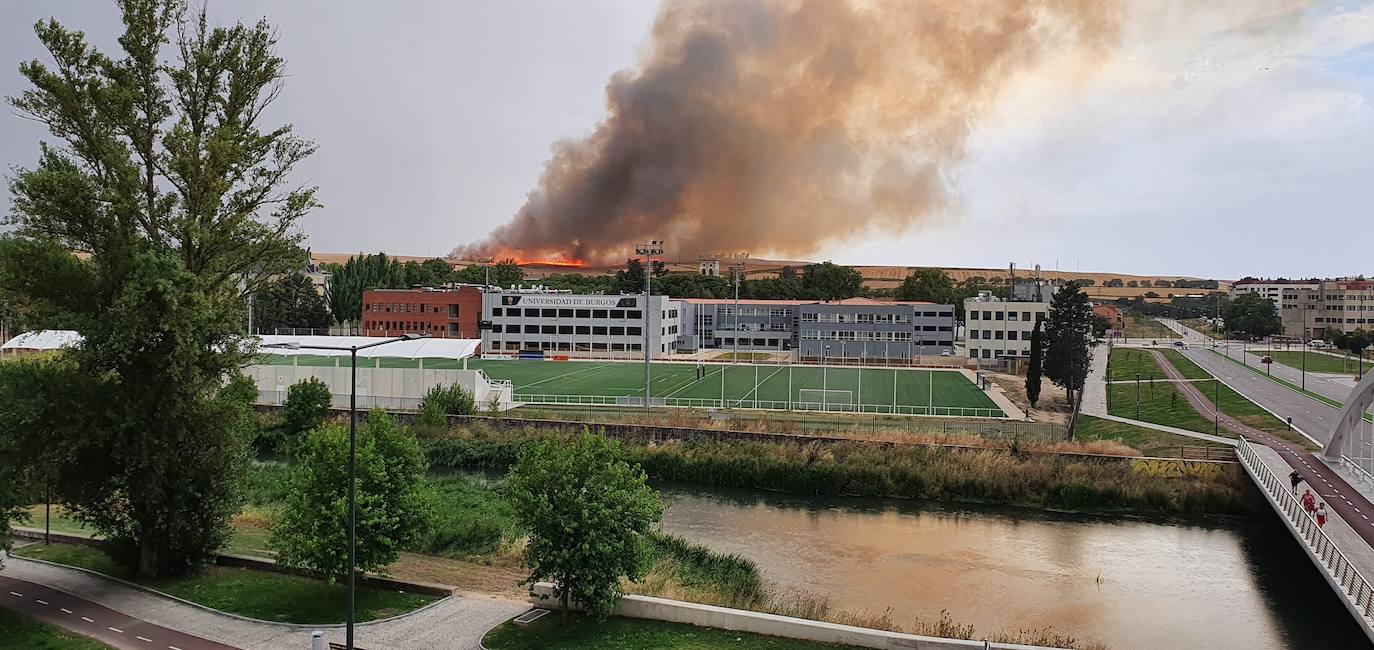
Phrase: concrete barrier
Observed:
(738, 620)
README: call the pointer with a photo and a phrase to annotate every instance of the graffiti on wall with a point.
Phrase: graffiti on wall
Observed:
(1176, 468)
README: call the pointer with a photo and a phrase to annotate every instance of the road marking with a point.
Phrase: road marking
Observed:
(87, 619)
(16, 594)
(172, 647)
(65, 610)
(114, 629)
(40, 601)
(144, 639)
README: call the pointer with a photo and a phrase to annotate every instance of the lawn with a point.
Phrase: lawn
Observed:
(19, 632)
(1150, 442)
(1186, 366)
(1124, 363)
(1316, 361)
(247, 592)
(617, 633)
(1160, 403)
(743, 356)
(1202, 327)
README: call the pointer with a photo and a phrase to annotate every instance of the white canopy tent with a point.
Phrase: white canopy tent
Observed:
(42, 340)
(430, 348)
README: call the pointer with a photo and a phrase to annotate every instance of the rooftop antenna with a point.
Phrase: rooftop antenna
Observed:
(1039, 297)
(1011, 280)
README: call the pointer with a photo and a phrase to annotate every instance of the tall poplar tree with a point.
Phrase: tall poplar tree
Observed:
(175, 197)
(1069, 339)
(1037, 362)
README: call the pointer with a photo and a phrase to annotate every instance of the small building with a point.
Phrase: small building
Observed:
(442, 312)
(1113, 315)
(999, 330)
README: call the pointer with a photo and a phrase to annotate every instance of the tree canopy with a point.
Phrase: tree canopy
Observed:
(1252, 315)
(289, 302)
(165, 177)
(1069, 339)
(929, 285)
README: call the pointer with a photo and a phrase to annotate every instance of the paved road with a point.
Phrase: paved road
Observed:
(1314, 417)
(101, 623)
(1341, 499)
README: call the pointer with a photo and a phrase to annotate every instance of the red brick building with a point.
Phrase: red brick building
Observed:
(441, 313)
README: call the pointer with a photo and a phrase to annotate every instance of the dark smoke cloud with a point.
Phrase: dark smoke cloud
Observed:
(779, 126)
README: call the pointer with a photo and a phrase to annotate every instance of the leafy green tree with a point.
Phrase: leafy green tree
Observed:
(289, 302)
(1252, 315)
(429, 273)
(439, 402)
(392, 509)
(165, 178)
(779, 288)
(589, 514)
(578, 283)
(829, 281)
(360, 273)
(1100, 325)
(306, 407)
(1356, 342)
(631, 278)
(693, 285)
(1069, 339)
(929, 285)
(1037, 362)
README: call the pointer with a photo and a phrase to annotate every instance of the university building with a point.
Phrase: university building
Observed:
(1330, 308)
(998, 330)
(537, 321)
(442, 312)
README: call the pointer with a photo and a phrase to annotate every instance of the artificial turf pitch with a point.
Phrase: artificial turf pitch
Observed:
(745, 385)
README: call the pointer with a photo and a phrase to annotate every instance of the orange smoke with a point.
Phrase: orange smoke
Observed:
(558, 262)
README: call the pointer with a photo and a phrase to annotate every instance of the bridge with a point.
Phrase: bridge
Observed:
(1341, 474)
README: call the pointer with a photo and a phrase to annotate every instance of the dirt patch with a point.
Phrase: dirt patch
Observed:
(499, 577)
(1053, 405)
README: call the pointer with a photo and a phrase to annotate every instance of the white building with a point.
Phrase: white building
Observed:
(539, 322)
(1272, 289)
(998, 330)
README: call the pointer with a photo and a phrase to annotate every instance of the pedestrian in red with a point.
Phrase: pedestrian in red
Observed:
(1321, 515)
(1309, 502)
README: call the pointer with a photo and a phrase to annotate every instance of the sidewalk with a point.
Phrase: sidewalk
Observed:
(454, 623)
(1342, 533)
(1095, 386)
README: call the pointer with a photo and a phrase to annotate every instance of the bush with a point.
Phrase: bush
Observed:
(440, 402)
(307, 407)
(471, 517)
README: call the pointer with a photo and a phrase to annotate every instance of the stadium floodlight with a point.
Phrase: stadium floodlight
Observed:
(649, 251)
(736, 275)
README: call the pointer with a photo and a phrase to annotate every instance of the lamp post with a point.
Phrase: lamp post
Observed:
(1137, 396)
(737, 274)
(1216, 406)
(649, 250)
(352, 452)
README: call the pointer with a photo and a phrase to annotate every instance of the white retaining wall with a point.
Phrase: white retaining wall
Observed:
(393, 388)
(676, 611)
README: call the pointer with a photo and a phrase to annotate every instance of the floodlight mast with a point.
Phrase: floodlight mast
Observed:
(648, 251)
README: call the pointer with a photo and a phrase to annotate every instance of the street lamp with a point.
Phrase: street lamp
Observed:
(1216, 406)
(648, 250)
(737, 274)
(352, 449)
(1137, 396)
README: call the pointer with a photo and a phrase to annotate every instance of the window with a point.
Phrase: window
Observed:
(495, 311)
(1025, 315)
(513, 312)
(599, 330)
(948, 314)
(565, 313)
(1011, 336)
(453, 311)
(998, 315)
(565, 329)
(598, 313)
(531, 329)
(998, 335)
(548, 329)
(633, 314)
(1011, 315)
(973, 334)
(496, 328)
(617, 331)
(617, 314)
(973, 315)
(635, 331)
(583, 329)
(549, 313)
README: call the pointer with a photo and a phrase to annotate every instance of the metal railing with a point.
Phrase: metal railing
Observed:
(1356, 588)
(746, 403)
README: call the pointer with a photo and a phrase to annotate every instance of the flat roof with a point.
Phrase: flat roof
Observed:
(846, 301)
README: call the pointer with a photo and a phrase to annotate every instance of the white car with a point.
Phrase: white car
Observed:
(1316, 343)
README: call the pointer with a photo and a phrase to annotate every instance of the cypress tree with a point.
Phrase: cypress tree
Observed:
(1036, 361)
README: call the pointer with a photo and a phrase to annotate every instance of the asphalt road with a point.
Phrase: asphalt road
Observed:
(96, 621)
(1314, 417)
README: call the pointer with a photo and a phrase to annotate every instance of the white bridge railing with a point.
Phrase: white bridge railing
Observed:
(777, 405)
(1356, 588)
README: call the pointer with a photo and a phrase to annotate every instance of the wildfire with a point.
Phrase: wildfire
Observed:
(552, 262)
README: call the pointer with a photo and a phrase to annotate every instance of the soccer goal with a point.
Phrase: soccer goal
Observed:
(825, 397)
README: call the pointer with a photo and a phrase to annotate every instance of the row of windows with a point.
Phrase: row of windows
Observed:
(997, 315)
(409, 308)
(1352, 321)
(988, 353)
(996, 335)
(566, 346)
(613, 314)
(754, 327)
(586, 330)
(812, 317)
(780, 312)
(851, 335)
(411, 326)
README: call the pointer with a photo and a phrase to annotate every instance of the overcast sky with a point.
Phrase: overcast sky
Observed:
(1216, 144)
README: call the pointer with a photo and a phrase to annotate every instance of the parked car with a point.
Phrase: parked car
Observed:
(1178, 344)
(1316, 343)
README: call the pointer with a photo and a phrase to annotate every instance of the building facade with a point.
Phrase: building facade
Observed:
(537, 321)
(998, 330)
(857, 329)
(448, 312)
(1332, 307)
(1271, 289)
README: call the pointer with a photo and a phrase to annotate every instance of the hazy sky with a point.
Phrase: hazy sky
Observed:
(1221, 143)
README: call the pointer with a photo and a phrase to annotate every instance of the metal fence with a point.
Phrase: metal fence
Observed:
(1358, 591)
(767, 405)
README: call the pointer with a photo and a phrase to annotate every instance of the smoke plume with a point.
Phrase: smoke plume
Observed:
(779, 126)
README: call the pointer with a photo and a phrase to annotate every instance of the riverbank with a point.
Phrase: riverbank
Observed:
(979, 475)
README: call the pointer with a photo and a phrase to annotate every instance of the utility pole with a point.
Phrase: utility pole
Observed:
(1137, 395)
(648, 250)
(1216, 406)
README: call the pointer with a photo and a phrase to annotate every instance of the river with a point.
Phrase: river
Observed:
(1130, 583)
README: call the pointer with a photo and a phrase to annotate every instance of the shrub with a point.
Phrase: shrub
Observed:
(307, 407)
(440, 402)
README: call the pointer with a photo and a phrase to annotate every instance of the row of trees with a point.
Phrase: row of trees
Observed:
(363, 272)
(1062, 343)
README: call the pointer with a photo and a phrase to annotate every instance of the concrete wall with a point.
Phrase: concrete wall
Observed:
(676, 611)
(392, 388)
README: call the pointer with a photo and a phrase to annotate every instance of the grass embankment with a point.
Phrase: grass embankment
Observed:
(857, 469)
(19, 632)
(1123, 364)
(1142, 327)
(1316, 361)
(631, 634)
(1202, 327)
(1150, 442)
(247, 592)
